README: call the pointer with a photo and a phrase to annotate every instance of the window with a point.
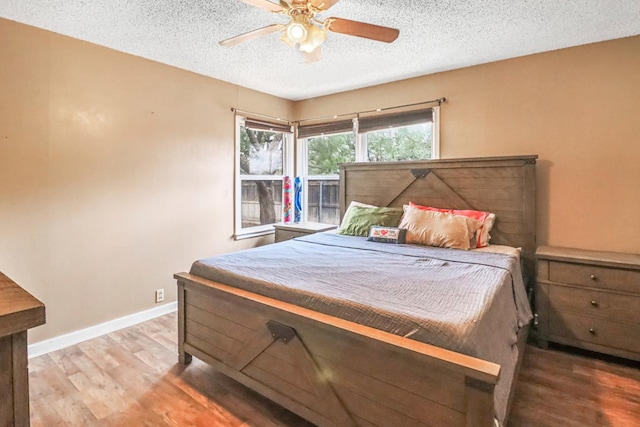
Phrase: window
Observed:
(263, 157)
(410, 135)
(403, 143)
(400, 136)
(321, 149)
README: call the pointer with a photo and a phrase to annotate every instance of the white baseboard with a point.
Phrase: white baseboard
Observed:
(52, 344)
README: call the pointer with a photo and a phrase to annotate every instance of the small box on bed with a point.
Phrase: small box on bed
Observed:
(382, 234)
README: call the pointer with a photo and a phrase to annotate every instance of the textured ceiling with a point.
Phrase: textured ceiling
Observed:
(435, 35)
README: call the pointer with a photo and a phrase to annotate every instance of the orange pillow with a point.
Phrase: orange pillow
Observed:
(486, 219)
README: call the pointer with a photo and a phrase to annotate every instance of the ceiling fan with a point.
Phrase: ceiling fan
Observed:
(305, 32)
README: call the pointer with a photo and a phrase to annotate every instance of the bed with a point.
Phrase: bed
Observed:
(346, 367)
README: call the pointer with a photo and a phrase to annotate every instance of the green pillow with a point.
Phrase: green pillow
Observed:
(360, 218)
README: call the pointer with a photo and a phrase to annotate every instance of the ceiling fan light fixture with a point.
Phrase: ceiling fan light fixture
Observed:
(305, 32)
(316, 36)
(296, 32)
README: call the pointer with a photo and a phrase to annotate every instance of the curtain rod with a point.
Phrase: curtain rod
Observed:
(439, 101)
(235, 110)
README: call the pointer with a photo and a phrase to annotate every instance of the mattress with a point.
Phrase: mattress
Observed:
(469, 302)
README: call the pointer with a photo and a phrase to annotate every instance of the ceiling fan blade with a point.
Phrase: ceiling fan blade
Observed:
(252, 35)
(265, 4)
(362, 29)
(323, 4)
(314, 56)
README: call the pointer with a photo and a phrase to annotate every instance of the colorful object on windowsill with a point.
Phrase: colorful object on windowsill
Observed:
(286, 199)
(297, 199)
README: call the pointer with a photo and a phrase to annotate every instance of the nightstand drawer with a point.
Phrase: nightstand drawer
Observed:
(595, 276)
(595, 303)
(282, 235)
(625, 336)
(288, 231)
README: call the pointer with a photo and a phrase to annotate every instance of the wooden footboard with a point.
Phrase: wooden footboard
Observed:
(330, 371)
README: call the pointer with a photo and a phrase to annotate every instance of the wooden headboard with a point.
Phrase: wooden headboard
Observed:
(505, 186)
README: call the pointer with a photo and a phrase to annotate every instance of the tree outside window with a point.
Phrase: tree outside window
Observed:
(402, 143)
(326, 153)
(261, 166)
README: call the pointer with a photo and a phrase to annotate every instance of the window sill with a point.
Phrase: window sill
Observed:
(251, 234)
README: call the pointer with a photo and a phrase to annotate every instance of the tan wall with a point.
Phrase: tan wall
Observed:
(115, 173)
(577, 108)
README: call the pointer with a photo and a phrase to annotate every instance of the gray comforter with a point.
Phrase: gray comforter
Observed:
(465, 301)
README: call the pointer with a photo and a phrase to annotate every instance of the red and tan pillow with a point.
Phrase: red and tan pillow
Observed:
(441, 229)
(486, 219)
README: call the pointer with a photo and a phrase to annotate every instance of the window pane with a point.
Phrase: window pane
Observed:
(261, 202)
(323, 204)
(403, 143)
(261, 152)
(325, 153)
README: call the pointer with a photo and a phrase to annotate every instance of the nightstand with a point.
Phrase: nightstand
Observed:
(296, 229)
(589, 299)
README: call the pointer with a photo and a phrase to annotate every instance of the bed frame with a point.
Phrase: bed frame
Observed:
(333, 372)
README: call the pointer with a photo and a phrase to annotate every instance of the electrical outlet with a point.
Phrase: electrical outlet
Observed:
(160, 295)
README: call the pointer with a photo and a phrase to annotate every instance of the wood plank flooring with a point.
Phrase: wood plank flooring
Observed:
(131, 378)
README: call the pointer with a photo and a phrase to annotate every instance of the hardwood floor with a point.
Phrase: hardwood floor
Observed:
(571, 388)
(131, 377)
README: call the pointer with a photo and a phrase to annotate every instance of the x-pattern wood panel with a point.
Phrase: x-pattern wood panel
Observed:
(255, 348)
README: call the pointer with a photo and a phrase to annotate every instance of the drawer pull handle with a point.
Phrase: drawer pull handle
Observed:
(594, 303)
(592, 331)
(593, 277)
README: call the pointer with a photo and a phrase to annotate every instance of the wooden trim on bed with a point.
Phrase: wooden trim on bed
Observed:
(478, 369)
(373, 375)
(523, 335)
(183, 357)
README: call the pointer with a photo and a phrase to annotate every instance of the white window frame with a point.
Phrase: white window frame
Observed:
(361, 155)
(287, 168)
